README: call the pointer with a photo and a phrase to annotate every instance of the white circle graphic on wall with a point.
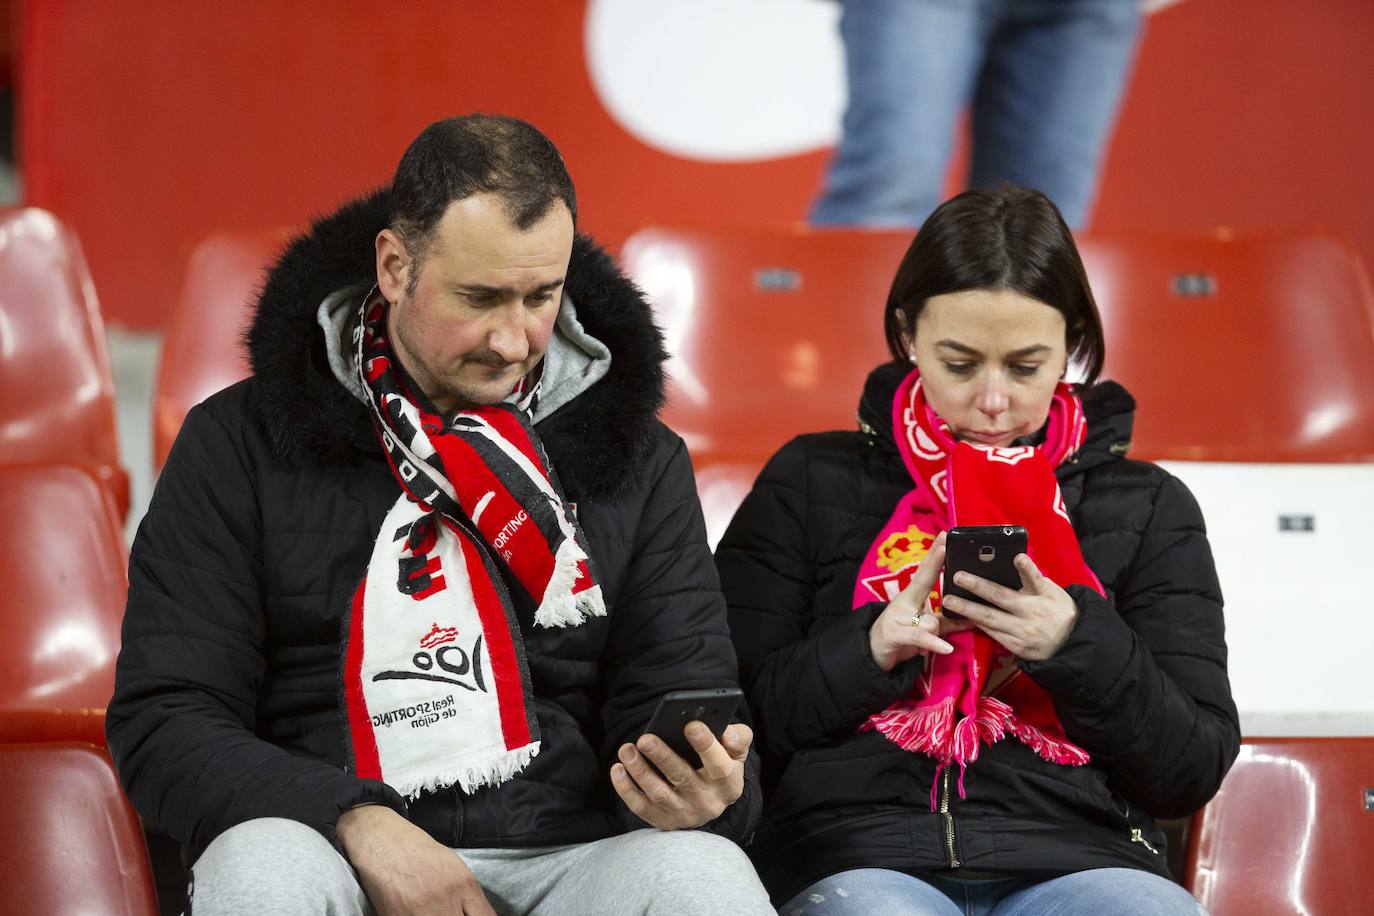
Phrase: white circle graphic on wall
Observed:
(720, 80)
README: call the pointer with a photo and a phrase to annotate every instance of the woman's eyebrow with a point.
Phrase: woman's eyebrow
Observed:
(966, 350)
(958, 347)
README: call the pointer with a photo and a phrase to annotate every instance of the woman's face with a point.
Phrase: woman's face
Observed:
(989, 361)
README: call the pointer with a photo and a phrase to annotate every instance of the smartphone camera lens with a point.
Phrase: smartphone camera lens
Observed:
(1007, 531)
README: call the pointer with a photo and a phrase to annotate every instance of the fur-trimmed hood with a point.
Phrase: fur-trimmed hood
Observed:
(596, 442)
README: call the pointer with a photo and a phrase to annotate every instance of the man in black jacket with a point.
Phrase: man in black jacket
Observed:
(414, 588)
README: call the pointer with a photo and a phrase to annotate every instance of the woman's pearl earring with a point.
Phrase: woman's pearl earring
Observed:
(912, 357)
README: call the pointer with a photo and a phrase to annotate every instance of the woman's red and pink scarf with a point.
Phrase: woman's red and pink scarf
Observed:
(976, 695)
(435, 683)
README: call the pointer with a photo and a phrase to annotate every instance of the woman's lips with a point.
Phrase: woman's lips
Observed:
(987, 438)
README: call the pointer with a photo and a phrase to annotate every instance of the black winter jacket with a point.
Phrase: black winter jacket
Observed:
(1140, 684)
(261, 526)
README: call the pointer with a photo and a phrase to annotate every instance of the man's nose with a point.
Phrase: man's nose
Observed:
(992, 397)
(508, 337)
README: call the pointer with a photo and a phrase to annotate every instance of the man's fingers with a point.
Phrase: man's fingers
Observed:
(737, 740)
(716, 762)
(677, 771)
(654, 786)
(630, 793)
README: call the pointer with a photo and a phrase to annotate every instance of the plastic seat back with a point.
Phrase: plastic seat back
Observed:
(71, 843)
(56, 392)
(1291, 831)
(203, 349)
(1253, 348)
(63, 563)
(771, 332)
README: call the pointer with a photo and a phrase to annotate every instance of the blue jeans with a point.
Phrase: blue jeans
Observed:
(1044, 79)
(1097, 892)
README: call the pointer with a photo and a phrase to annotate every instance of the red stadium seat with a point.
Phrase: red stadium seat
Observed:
(772, 333)
(56, 393)
(63, 564)
(1250, 348)
(1291, 831)
(71, 843)
(202, 351)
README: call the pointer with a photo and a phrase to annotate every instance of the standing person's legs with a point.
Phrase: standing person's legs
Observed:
(644, 873)
(1048, 96)
(272, 865)
(910, 66)
(865, 891)
(1101, 892)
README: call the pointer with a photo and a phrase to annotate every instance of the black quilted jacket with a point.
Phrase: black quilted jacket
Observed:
(1140, 684)
(226, 698)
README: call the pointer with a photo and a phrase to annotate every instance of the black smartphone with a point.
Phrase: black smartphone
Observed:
(987, 552)
(714, 707)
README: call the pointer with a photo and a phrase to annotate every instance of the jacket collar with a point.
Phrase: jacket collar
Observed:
(1108, 407)
(596, 441)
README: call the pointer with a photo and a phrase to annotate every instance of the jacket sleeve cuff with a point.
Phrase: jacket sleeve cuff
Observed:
(848, 667)
(366, 792)
(1089, 667)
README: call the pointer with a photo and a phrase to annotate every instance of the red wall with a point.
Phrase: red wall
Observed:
(147, 125)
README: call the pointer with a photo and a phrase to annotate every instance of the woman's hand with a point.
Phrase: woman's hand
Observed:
(670, 795)
(893, 638)
(1031, 624)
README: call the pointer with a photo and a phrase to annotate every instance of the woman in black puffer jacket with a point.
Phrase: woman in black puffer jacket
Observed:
(1017, 758)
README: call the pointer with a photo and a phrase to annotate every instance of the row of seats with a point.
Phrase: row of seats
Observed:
(1267, 340)
(72, 843)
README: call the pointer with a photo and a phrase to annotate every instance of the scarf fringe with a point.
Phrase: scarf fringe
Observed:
(933, 730)
(469, 777)
(561, 607)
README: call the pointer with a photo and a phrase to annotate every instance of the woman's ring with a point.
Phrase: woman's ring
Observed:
(916, 618)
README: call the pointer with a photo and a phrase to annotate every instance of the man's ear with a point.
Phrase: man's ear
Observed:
(393, 265)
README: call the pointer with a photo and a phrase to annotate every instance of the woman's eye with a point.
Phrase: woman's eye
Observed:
(959, 368)
(1025, 370)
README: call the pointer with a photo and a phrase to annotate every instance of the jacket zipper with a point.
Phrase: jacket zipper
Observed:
(1137, 836)
(949, 820)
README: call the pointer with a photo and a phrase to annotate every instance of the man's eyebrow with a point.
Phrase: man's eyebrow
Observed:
(482, 288)
(1033, 350)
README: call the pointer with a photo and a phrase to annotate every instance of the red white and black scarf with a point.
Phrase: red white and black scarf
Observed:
(975, 695)
(435, 683)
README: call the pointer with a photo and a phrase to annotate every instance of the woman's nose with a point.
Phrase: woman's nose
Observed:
(992, 398)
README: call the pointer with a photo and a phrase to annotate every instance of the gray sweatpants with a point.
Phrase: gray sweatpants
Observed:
(271, 866)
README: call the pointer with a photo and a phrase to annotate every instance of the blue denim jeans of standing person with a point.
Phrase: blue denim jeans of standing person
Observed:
(1043, 79)
(1096, 892)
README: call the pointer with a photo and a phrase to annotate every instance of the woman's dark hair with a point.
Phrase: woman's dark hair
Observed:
(457, 157)
(1003, 238)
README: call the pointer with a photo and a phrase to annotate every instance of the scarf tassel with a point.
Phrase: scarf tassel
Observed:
(933, 730)
(561, 606)
(491, 772)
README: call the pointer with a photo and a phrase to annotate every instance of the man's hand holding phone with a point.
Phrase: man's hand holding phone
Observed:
(671, 794)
